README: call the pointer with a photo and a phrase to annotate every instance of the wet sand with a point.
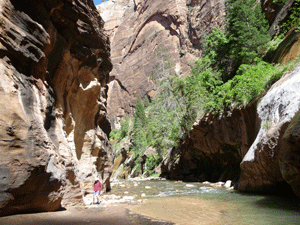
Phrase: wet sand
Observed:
(111, 215)
(184, 210)
(154, 211)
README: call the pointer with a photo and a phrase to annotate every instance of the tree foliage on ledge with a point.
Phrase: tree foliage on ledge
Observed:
(293, 19)
(230, 74)
(246, 32)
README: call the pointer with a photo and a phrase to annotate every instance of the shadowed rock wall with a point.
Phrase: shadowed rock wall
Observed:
(276, 13)
(262, 167)
(257, 146)
(54, 67)
(214, 148)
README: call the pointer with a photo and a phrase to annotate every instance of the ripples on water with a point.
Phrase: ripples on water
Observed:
(241, 208)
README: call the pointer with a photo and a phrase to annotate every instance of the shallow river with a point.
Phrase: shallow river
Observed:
(196, 203)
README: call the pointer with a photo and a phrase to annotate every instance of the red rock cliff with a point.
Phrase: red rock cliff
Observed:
(257, 147)
(55, 61)
(138, 28)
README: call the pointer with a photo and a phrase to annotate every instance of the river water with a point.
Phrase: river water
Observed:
(198, 203)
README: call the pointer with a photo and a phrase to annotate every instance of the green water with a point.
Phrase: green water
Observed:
(242, 208)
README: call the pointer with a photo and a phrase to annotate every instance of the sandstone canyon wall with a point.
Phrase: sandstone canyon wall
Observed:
(272, 159)
(138, 28)
(256, 147)
(55, 61)
(216, 148)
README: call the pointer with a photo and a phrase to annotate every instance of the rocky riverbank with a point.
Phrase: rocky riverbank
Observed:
(134, 201)
(157, 201)
(138, 190)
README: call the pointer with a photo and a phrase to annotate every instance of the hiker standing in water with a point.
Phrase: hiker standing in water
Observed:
(97, 190)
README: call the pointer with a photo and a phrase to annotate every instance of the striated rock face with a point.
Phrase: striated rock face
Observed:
(53, 126)
(289, 48)
(257, 146)
(265, 167)
(214, 148)
(276, 13)
(289, 155)
(112, 12)
(139, 30)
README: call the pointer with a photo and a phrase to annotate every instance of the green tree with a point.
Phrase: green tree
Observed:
(246, 30)
(166, 113)
(215, 52)
(124, 127)
(139, 122)
(146, 102)
(293, 18)
(139, 112)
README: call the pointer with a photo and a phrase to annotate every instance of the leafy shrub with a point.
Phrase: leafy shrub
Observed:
(293, 18)
(151, 162)
(249, 82)
(231, 74)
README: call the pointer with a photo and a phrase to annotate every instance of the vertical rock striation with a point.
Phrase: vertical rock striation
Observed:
(266, 166)
(214, 148)
(258, 147)
(276, 13)
(53, 127)
(139, 29)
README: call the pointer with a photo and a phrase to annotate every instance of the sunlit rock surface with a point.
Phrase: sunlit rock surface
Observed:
(54, 69)
(289, 48)
(256, 147)
(269, 160)
(138, 29)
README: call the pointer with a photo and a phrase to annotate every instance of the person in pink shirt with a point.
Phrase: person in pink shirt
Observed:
(97, 190)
